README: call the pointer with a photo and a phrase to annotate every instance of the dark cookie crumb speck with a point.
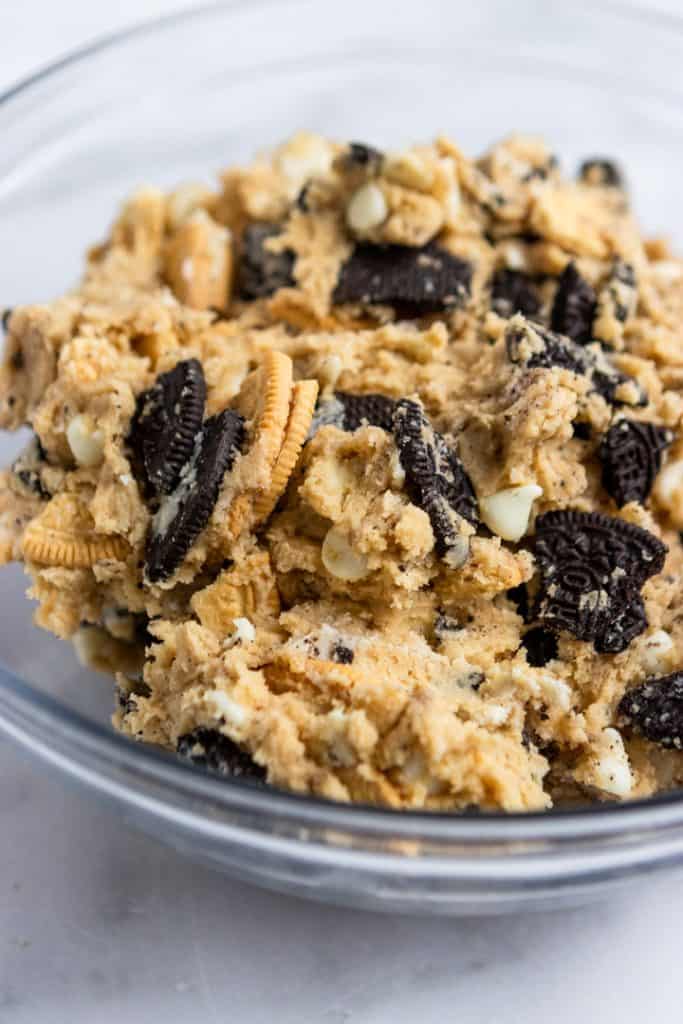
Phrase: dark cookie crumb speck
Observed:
(582, 430)
(6, 314)
(362, 155)
(600, 171)
(342, 654)
(540, 645)
(574, 306)
(631, 455)
(655, 710)
(210, 749)
(519, 596)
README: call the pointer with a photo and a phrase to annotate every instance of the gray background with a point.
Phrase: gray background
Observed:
(98, 924)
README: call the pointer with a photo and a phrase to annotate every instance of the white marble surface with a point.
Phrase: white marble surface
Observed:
(98, 924)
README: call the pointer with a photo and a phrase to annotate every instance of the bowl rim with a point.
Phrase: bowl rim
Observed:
(27, 714)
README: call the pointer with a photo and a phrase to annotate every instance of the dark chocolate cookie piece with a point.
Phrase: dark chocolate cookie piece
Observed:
(655, 710)
(631, 455)
(532, 345)
(342, 654)
(349, 412)
(574, 306)
(262, 272)
(592, 567)
(28, 465)
(419, 281)
(210, 749)
(601, 171)
(184, 513)
(435, 480)
(363, 155)
(513, 292)
(375, 410)
(540, 646)
(166, 421)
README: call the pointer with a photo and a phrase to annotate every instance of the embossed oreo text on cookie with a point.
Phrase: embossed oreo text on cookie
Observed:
(631, 456)
(184, 513)
(592, 568)
(210, 749)
(655, 710)
(165, 424)
(436, 480)
(418, 280)
(263, 272)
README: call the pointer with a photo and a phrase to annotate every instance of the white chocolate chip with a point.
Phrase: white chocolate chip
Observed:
(244, 631)
(340, 559)
(398, 473)
(328, 374)
(303, 157)
(367, 208)
(611, 768)
(514, 256)
(232, 712)
(86, 440)
(507, 512)
(656, 652)
(495, 714)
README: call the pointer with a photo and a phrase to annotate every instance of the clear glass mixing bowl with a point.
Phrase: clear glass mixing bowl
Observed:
(180, 99)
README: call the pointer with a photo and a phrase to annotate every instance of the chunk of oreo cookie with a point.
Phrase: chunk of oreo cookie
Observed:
(532, 345)
(601, 171)
(4, 320)
(362, 155)
(419, 281)
(574, 306)
(263, 272)
(166, 421)
(592, 567)
(540, 646)
(210, 749)
(375, 410)
(655, 710)
(28, 465)
(342, 654)
(349, 412)
(435, 480)
(631, 455)
(513, 292)
(184, 513)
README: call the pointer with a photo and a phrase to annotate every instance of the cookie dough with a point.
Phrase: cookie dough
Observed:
(363, 474)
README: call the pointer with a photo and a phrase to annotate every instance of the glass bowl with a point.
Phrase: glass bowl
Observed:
(182, 98)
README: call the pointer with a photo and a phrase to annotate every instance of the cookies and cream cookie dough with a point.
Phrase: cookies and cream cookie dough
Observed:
(363, 474)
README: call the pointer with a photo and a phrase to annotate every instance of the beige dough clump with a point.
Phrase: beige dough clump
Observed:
(363, 474)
